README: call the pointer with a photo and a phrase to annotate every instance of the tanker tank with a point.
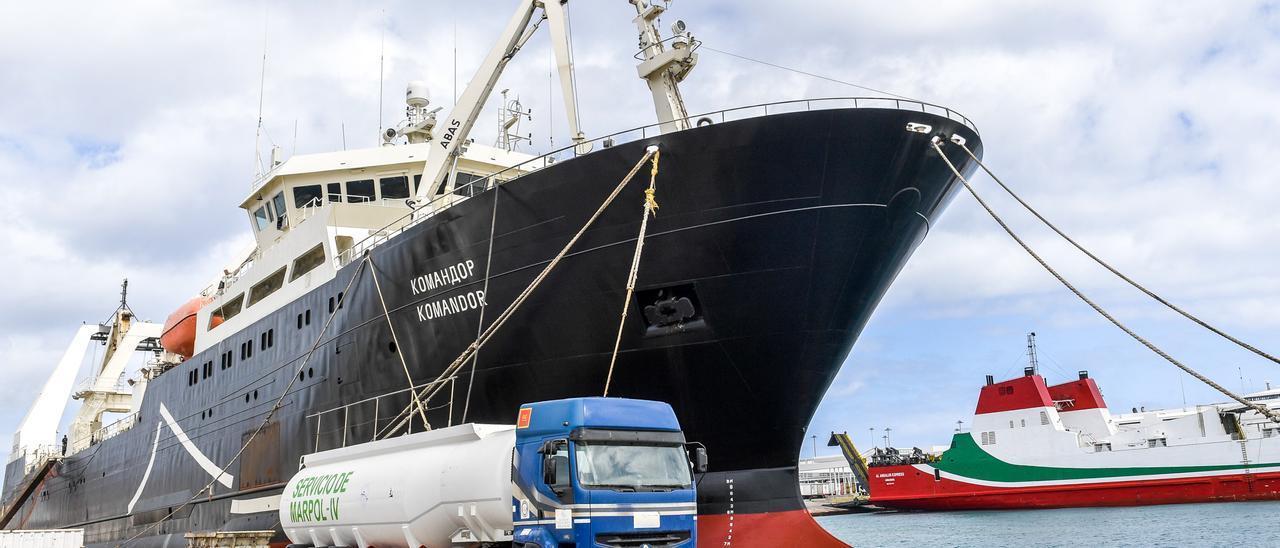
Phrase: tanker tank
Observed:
(433, 488)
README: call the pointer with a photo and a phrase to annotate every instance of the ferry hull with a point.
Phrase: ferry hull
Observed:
(783, 232)
(916, 489)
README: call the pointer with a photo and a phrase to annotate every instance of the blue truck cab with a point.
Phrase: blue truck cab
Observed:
(603, 472)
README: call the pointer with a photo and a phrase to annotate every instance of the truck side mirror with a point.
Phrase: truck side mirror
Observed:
(700, 459)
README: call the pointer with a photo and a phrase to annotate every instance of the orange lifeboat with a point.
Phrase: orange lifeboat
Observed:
(179, 335)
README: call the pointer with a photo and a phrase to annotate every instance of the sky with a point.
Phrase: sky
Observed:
(128, 130)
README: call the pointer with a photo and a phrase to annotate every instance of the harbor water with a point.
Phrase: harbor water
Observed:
(1210, 525)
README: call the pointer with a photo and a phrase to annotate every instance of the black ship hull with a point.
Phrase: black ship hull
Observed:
(776, 239)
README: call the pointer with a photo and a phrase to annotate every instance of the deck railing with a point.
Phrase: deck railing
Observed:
(442, 202)
(385, 414)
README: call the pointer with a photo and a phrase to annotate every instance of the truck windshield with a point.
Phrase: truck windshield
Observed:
(635, 467)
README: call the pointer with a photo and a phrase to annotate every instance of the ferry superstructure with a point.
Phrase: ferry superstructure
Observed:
(781, 227)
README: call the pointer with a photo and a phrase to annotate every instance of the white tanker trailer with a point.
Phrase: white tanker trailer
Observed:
(584, 471)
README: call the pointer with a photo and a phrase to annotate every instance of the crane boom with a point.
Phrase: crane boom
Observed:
(662, 68)
(451, 135)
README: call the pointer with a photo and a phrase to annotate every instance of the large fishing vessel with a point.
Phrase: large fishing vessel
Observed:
(1033, 445)
(781, 227)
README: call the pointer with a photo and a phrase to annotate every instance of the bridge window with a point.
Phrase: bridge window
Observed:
(417, 182)
(307, 262)
(278, 202)
(360, 191)
(307, 196)
(261, 218)
(466, 184)
(333, 192)
(394, 187)
(266, 287)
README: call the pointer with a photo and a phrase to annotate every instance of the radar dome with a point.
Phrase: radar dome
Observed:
(416, 94)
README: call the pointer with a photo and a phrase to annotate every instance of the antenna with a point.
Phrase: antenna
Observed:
(262, 85)
(382, 50)
(344, 136)
(1032, 362)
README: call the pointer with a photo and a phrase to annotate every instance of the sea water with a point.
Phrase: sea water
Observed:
(1233, 524)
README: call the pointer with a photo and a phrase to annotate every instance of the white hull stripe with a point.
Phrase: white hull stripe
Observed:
(1086, 481)
(209, 467)
(147, 473)
(224, 478)
(253, 506)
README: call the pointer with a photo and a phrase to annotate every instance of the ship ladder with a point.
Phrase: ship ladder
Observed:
(937, 142)
(433, 388)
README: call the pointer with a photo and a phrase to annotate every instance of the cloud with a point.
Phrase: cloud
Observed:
(1142, 128)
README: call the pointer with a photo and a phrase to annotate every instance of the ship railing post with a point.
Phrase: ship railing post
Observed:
(318, 419)
(376, 401)
(451, 385)
(346, 413)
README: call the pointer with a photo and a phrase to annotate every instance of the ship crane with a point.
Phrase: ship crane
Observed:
(663, 69)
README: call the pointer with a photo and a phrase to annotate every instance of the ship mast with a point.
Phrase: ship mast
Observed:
(1032, 363)
(664, 68)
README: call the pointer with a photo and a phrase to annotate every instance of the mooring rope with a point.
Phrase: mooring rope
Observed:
(265, 420)
(432, 389)
(1119, 274)
(650, 209)
(373, 273)
(936, 142)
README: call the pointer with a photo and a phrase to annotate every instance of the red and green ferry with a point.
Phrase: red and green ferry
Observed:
(1033, 445)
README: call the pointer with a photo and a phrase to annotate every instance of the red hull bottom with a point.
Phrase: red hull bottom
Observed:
(766, 530)
(955, 495)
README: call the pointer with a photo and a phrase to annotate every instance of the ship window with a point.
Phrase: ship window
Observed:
(306, 317)
(333, 192)
(360, 191)
(1010, 424)
(1024, 423)
(307, 196)
(261, 218)
(1044, 418)
(242, 352)
(307, 262)
(266, 287)
(1101, 447)
(271, 338)
(250, 348)
(299, 321)
(1157, 442)
(226, 311)
(278, 202)
(417, 181)
(394, 187)
(331, 305)
(339, 300)
(465, 184)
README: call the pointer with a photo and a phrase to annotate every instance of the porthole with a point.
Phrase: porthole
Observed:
(255, 395)
(391, 347)
(311, 373)
(302, 376)
(246, 397)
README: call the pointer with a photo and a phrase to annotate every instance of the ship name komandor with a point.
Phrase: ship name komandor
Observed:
(440, 308)
(445, 277)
